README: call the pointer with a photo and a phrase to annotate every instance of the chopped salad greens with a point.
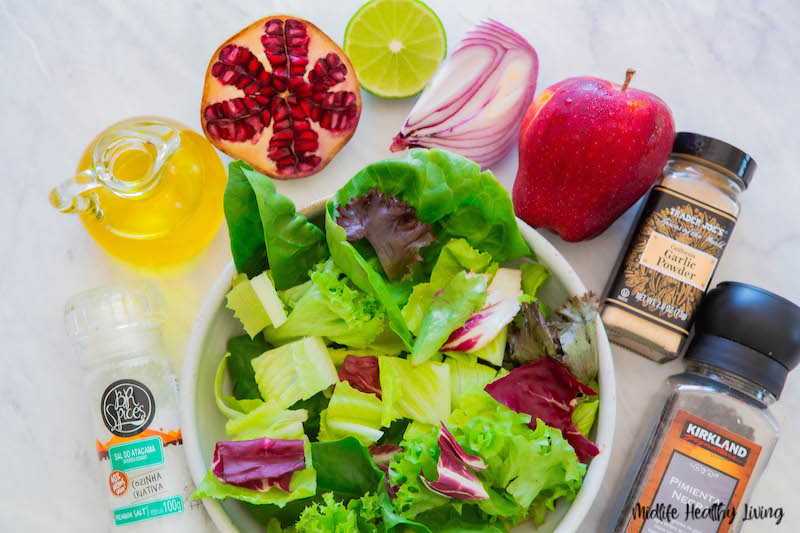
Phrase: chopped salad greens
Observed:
(396, 372)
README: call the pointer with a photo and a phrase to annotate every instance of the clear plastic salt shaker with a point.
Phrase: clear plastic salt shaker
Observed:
(133, 394)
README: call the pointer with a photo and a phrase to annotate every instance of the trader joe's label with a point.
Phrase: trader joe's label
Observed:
(671, 259)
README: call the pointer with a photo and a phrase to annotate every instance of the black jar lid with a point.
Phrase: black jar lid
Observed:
(748, 331)
(718, 152)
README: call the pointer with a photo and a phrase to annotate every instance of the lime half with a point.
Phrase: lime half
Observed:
(395, 46)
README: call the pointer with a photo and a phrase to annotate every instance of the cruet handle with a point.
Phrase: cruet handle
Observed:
(76, 195)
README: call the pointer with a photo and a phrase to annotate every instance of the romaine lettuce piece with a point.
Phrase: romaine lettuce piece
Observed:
(351, 413)
(268, 420)
(533, 277)
(495, 351)
(265, 290)
(246, 306)
(585, 413)
(463, 295)
(266, 231)
(415, 429)
(420, 393)
(334, 309)
(228, 405)
(467, 375)
(295, 371)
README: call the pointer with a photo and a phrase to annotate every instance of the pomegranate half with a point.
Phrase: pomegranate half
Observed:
(282, 96)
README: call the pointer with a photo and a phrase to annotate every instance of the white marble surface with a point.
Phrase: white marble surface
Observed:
(727, 68)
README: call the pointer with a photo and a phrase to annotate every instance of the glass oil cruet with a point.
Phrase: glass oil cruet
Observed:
(148, 190)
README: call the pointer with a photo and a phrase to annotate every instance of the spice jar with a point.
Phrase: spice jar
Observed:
(673, 249)
(713, 435)
(133, 397)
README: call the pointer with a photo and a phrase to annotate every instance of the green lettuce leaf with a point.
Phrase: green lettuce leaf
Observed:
(469, 519)
(294, 371)
(534, 275)
(351, 413)
(363, 274)
(528, 464)
(461, 297)
(419, 455)
(585, 413)
(265, 229)
(330, 516)
(450, 190)
(243, 350)
(332, 308)
(525, 466)
(458, 255)
(420, 393)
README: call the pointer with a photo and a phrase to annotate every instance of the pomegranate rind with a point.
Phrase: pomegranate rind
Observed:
(256, 153)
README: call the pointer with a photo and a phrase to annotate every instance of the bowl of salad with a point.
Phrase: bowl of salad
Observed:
(405, 355)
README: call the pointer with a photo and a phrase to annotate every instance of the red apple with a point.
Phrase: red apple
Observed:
(588, 150)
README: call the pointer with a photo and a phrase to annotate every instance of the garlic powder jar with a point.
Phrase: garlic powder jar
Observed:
(675, 246)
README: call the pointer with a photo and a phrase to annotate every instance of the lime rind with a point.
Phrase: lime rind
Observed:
(375, 30)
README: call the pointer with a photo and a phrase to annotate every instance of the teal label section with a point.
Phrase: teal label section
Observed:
(146, 511)
(137, 454)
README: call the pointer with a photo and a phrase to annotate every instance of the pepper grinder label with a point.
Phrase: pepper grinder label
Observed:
(671, 259)
(698, 479)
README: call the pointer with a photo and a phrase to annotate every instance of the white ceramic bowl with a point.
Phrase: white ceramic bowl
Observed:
(203, 425)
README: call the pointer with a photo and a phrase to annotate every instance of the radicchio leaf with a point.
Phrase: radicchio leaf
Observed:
(382, 455)
(362, 373)
(258, 464)
(390, 226)
(456, 480)
(546, 390)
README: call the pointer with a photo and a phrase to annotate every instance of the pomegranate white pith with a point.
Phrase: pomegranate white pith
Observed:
(282, 96)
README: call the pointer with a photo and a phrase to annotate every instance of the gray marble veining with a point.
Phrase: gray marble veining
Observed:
(727, 69)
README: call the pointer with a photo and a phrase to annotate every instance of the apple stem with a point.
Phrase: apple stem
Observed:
(628, 77)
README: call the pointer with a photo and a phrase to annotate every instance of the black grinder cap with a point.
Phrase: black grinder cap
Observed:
(717, 152)
(748, 331)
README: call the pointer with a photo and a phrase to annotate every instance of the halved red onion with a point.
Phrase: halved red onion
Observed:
(475, 102)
